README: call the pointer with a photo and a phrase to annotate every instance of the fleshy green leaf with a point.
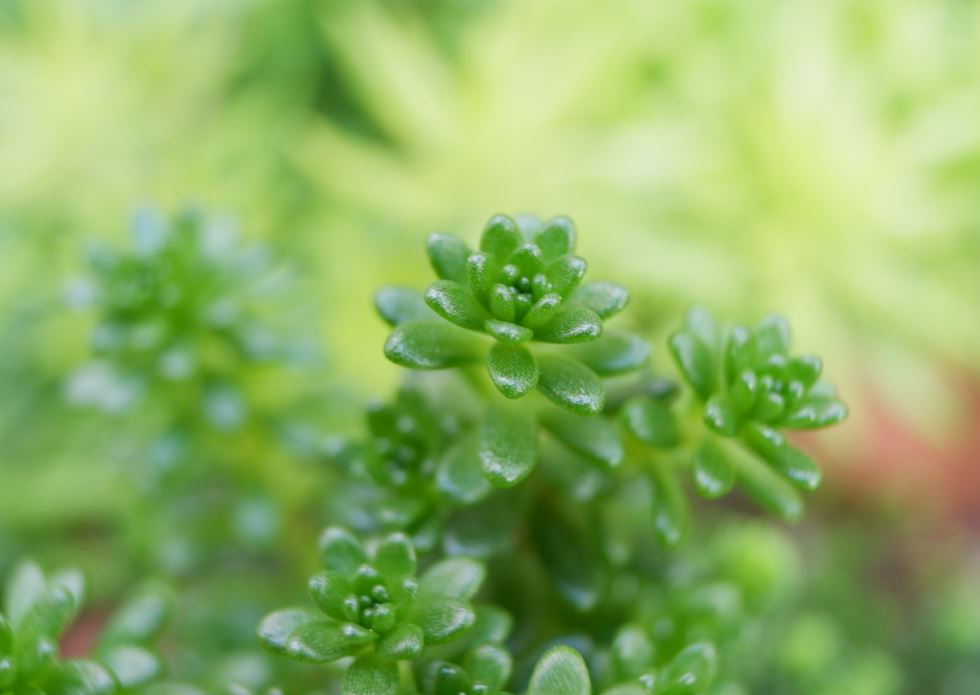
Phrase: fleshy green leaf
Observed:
(792, 463)
(480, 273)
(460, 475)
(329, 591)
(570, 325)
(448, 255)
(141, 618)
(405, 642)
(502, 303)
(721, 414)
(632, 652)
(691, 671)
(489, 665)
(25, 586)
(570, 384)
(400, 304)
(456, 577)
(501, 237)
(508, 333)
(132, 666)
(701, 323)
(395, 556)
(713, 474)
(814, 413)
(6, 635)
(79, 678)
(556, 237)
(561, 671)
(321, 642)
(651, 421)
(341, 551)
(761, 482)
(695, 361)
(671, 516)
(596, 438)
(606, 299)
(275, 628)
(508, 446)
(543, 310)
(442, 618)
(566, 273)
(614, 352)
(772, 336)
(430, 345)
(512, 369)
(371, 675)
(456, 304)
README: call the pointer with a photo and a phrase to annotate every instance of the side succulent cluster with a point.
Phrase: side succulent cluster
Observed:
(522, 286)
(36, 612)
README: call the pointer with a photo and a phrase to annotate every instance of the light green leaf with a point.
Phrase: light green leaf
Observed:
(606, 299)
(671, 515)
(275, 628)
(508, 446)
(25, 586)
(566, 273)
(713, 474)
(556, 237)
(542, 311)
(460, 474)
(614, 352)
(371, 675)
(442, 618)
(329, 591)
(141, 618)
(571, 324)
(480, 271)
(448, 255)
(814, 413)
(341, 551)
(508, 333)
(695, 361)
(501, 237)
(400, 304)
(791, 463)
(323, 641)
(79, 678)
(570, 384)
(456, 577)
(456, 304)
(596, 438)
(691, 671)
(772, 336)
(721, 414)
(395, 556)
(561, 671)
(632, 652)
(489, 665)
(651, 421)
(502, 303)
(430, 345)
(512, 369)
(132, 666)
(405, 642)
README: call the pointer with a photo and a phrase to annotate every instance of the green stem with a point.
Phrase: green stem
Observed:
(759, 480)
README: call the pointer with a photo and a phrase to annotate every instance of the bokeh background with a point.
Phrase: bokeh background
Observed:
(820, 159)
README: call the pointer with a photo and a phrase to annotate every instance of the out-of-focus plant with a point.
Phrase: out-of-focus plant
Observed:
(38, 609)
(564, 455)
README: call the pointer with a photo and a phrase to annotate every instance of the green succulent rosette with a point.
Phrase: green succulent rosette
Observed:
(749, 388)
(375, 608)
(36, 612)
(522, 287)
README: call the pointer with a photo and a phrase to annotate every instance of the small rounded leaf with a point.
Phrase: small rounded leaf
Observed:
(430, 345)
(695, 361)
(570, 325)
(721, 414)
(561, 671)
(651, 421)
(141, 618)
(508, 333)
(512, 369)
(772, 336)
(814, 413)
(691, 671)
(132, 666)
(448, 255)
(542, 311)
(79, 678)
(490, 665)
(456, 577)
(570, 384)
(400, 304)
(341, 551)
(330, 591)
(395, 557)
(508, 446)
(614, 352)
(275, 628)
(456, 304)
(606, 299)
(460, 474)
(566, 273)
(501, 237)
(713, 474)
(321, 642)
(405, 642)
(371, 675)
(556, 237)
(442, 618)
(595, 438)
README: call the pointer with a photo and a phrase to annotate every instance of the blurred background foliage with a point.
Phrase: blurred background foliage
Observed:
(816, 159)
